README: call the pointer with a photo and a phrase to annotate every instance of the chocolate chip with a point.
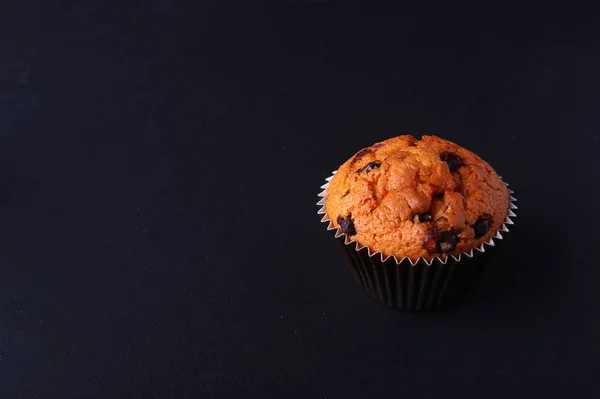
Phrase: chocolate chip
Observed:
(447, 241)
(454, 161)
(377, 145)
(422, 217)
(370, 166)
(347, 225)
(438, 241)
(360, 154)
(481, 227)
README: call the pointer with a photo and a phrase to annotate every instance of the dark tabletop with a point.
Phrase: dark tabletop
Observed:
(159, 168)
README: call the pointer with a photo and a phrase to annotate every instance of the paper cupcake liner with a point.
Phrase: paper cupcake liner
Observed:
(415, 286)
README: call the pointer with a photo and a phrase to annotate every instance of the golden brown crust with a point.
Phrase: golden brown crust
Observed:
(417, 198)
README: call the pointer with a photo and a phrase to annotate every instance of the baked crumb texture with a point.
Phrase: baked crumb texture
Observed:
(417, 199)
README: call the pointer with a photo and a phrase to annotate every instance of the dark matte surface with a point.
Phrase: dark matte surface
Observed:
(159, 165)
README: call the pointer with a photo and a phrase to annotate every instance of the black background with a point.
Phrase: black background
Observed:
(159, 168)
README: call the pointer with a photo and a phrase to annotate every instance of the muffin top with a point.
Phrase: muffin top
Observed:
(417, 198)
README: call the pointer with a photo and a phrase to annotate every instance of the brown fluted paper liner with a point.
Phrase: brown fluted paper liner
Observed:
(415, 286)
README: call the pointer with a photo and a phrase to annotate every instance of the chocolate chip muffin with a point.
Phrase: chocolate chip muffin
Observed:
(419, 199)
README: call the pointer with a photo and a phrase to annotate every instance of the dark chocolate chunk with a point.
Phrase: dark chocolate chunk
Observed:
(481, 227)
(454, 161)
(438, 241)
(347, 225)
(447, 241)
(425, 217)
(422, 217)
(361, 154)
(370, 166)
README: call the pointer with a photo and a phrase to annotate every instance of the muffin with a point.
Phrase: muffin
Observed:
(424, 203)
